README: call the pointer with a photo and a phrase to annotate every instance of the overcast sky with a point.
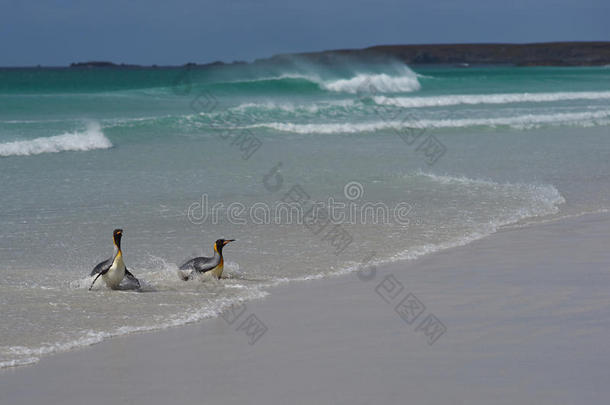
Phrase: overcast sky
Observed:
(58, 32)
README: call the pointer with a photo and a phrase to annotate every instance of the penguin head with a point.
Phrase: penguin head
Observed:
(117, 234)
(220, 243)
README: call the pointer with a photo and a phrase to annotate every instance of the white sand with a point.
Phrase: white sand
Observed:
(527, 313)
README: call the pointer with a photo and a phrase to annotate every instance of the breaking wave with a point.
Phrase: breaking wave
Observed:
(92, 138)
(400, 81)
(528, 121)
(473, 99)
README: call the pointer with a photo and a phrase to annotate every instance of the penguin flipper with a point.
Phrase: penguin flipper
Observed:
(132, 278)
(101, 268)
(202, 264)
(189, 265)
(198, 265)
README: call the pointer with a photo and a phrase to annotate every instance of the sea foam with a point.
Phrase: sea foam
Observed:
(400, 80)
(375, 83)
(504, 98)
(527, 121)
(90, 139)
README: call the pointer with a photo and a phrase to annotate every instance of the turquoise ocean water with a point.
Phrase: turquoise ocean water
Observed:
(412, 160)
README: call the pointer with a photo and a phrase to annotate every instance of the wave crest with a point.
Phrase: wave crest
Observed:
(394, 79)
(92, 138)
(520, 122)
(376, 83)
(503, 98)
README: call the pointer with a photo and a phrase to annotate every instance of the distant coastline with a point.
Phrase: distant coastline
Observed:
(464, 55)
(537, 54)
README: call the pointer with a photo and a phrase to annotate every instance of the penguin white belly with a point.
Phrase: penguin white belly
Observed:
(116, 273)
(217, 271)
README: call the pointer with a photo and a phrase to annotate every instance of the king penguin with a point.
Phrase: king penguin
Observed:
(202, 265)
(113, 270)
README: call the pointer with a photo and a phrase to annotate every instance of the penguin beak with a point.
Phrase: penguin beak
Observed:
(227, 241)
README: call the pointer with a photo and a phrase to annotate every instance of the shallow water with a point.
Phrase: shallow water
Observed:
(179, 159)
